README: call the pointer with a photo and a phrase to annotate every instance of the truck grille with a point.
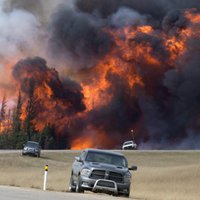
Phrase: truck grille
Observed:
(109, 175)
(114, 176)
(98, 174)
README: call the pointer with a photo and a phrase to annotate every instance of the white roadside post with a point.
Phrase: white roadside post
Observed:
(45, 177)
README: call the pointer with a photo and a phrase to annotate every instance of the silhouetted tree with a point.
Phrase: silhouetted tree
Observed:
(3, 111)
(17, 114)
(30, 114)
(3, 108)
(18, 135)
(47, 139)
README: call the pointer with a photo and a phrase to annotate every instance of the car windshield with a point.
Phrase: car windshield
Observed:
(32, 144)
(112, 159)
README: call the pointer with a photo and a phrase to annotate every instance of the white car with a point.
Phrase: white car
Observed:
(129, 145)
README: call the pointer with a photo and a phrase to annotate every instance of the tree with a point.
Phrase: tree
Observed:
(30, 113)
(2, 112)
(47, 139)
(17, 115)
(3, 108)
(18, 135)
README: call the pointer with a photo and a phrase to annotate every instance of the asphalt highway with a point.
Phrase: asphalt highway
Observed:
(14, 193)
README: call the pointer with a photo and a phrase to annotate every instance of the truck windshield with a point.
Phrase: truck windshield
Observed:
(32, 144)
(112, 159)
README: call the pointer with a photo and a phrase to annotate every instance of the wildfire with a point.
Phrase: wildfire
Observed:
(96, 139)
(128, 53)
(45, 97)
(175, 47)
(98, 108)
(123, 61)
(193, 16)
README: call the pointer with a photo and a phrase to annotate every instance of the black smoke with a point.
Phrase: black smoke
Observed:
(31, 73)
(165, 111)
(78, 33)
(79, 36)
(172, 113)
(154, 8)
(167, 108)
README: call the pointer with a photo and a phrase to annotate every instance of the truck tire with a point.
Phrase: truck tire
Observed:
(72, 187)
(79, 189)
(127, 194)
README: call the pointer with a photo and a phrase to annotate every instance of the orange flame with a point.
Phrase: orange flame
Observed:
(96, 139)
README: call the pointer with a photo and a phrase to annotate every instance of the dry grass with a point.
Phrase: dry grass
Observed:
(160, 176)
(166, 175)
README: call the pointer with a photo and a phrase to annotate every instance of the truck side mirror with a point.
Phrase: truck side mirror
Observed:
(78, 159)
(133, 168)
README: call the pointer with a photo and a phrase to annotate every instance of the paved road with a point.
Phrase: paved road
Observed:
(13, 193)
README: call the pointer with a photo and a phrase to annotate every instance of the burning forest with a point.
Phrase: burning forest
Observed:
(84, 73)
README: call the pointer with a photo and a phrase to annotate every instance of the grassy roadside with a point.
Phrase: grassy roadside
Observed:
(160, 176)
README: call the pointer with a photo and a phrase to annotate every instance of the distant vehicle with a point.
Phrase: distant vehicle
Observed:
(101, 171)
(129, 145)
(31, 148)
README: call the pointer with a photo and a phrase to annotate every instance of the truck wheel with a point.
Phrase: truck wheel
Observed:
(72, 187)
(127, 194)
(79, 189)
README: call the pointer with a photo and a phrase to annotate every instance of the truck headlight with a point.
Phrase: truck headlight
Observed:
(127, 176)
(85, 172)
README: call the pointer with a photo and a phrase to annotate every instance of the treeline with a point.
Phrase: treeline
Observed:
(16, 127)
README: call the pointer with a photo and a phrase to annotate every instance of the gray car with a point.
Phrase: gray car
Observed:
(31, 148)
(101, 171)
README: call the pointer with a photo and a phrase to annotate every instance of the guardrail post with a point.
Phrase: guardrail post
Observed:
(45, 177)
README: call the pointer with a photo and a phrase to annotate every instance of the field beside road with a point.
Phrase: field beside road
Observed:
(161, 175)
